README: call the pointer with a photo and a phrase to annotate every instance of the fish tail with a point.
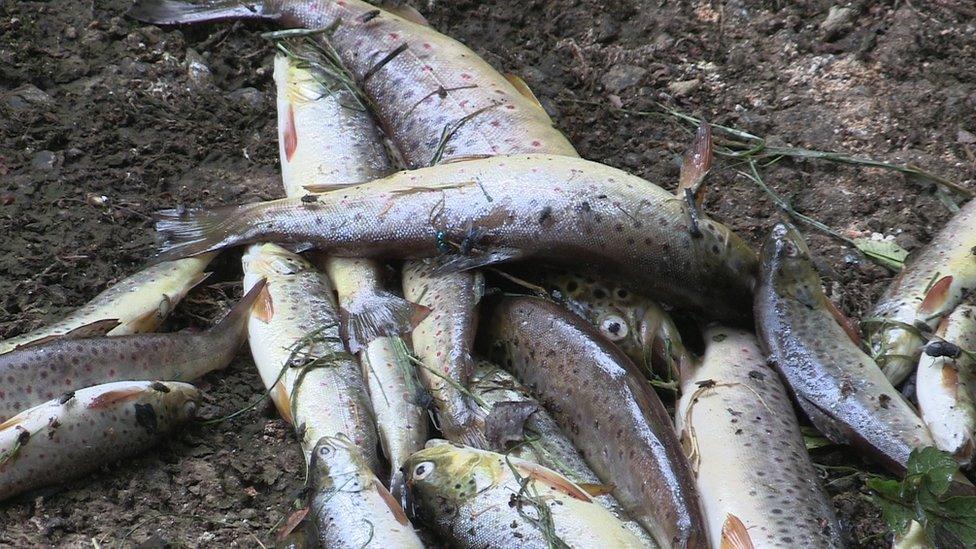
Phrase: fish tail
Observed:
(386, 314)
(236, 320)
(196, 231)
(175, 12)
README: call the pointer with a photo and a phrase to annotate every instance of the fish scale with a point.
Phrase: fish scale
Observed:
(737, 426)
(76, 434)
(37, 373)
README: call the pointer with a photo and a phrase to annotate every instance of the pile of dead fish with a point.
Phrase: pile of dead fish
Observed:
(400, 144)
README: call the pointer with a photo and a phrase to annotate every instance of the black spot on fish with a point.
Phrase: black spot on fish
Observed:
(66, 397)
(883, 400)
(545, 215)
(146, 417)
(369, 16)
(158, 386)
(754, 374)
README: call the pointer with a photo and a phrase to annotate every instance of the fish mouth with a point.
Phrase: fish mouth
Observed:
(401, 488)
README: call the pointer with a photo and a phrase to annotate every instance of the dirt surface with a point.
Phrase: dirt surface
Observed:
(104, 120)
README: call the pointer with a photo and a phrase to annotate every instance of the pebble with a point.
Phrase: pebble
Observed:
(44, 161)
(28, 95)
(248, 96)
(682, 88)
(622, 76)
(838, 21)
(197, 70)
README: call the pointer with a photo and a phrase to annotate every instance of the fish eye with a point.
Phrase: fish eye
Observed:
(423, 470)
(324, 451)
(285, 266)
(613, 327)
(791, 249)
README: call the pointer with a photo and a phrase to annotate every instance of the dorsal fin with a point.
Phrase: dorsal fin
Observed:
(519, 84)
(405, 11)
(92, 329)
(552, 479)
(734, 534)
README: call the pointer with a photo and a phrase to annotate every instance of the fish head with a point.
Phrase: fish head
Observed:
(786, 261)
(182, 400)
(334, 461)
(445, 476)
(272, 262)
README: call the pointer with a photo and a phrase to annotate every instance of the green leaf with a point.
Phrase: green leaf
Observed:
(813, 439)
(956, 516)
(885, 252)
(889, 498)
(935, 467)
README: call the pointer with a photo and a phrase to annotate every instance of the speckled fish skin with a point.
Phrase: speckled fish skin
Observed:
(551, 447)
(561, 209)
(322, 136)
(944, 386)
(839, 387)
(81, 432)
(932, 283)
(632, 444)
(443, 343)
(632, 321)
(756, 481)
(321, 391)
(37, 373)
(139, 302)
(470, 497)
(349, 506)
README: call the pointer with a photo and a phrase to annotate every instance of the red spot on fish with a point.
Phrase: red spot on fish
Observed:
(394, 36)
(428, 68)
(463, 103)
(290, 134)
(510, 107)
(49, 396)
(3, 395)
(29, 389)
(67, 381)
(111, 373)
(495, 123)
(536, 144)
(427, 46)
(465, 76)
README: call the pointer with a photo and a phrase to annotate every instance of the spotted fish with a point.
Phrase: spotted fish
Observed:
(36, 373)
(933, 282)
(944, 384)
(737, 426)
(838, 386)
(563, 210)
(608, 410)
(80, 431)
(476, 498)
(136, 304)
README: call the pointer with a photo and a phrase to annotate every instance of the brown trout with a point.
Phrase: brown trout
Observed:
(324, 134)
(635, 323)
(475, 499)
(944, 384)
(932, 283)
(601, 401)
(348, 505)
(80, 431)
(37, 373)
(136, 304)
(436, 99)
(563, 209)
(756, 482)
(840, 388)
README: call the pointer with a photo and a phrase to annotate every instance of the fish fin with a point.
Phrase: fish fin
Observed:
(596, 490)
(392, 503)
(282, 402)
(264, 307)
(455, 263)
(173, 12)
(12, 422)
(936, 297)
(327, 187)
(293, 521)
(734, 534)
(189, 232)
(408, 12)
(236, 319)
(289, 133)
(382, 314)
(950, 378)
(552, 479)
(519, 84)
(696, 164)
(845, 323)
(109, 398)
(92, 329)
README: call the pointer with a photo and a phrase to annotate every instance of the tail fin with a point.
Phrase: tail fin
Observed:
(196, 231)
(382, 314)
(175, 12)
(235, 321)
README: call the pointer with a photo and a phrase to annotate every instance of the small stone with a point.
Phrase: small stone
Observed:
(71, 33)
(682, 88)
(44, 161)
(838, 21)
(7, 199)
(28, 94)
(622, 76)
(248, 96)
(197, 70)
(964, 137)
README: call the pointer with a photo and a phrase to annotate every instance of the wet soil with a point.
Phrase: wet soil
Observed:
(104, 120)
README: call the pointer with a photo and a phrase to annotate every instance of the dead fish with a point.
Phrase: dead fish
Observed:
(443, 342)
(134, 305)
(632, 321)
(838, 386)
(348, 505)
(325, 135)
(37, 373)
(945, 383)
(630, 444)
(81, 431)
(563, 209)
(475, 498)
(932, 283)
(544, 442)
(293, 333)
(754, 475)
(437, 100)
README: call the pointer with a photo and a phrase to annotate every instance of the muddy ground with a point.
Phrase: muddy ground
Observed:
(101, 123)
